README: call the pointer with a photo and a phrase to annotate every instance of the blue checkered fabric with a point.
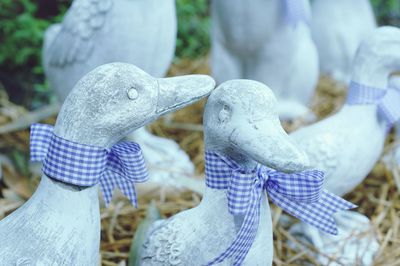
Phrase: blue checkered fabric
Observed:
(295, 11)
(84, 165)
(388, 101)
(300, 194)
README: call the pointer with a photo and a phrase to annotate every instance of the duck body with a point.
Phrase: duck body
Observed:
(345, 146)
(206, 230)
(253, 41)
(49, 227)
(338, 28)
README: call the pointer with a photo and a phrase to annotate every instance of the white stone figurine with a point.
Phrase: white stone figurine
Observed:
(347, 145)
(242, 132)
(60, 224)
(268, 41)
(338, 27)
(139, 32)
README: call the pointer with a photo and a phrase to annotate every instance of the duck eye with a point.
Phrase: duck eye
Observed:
(224, 114)
(132, 94)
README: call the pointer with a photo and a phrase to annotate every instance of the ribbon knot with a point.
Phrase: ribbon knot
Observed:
(296, 11)
(300, 194)
(388, 101)
(85, 165)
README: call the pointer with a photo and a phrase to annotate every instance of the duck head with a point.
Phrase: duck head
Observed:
(115, 99)
(378, 57)
(241, 121)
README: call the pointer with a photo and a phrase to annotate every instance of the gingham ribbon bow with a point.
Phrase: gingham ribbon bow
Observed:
(299, 194)
(388, 101)
(295, 12)
(84, 165)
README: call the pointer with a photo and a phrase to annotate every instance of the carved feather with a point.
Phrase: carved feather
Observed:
(75, 40)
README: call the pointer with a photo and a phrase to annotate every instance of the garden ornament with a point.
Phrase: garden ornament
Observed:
(140, 32)
(268, 41)
(338, 27)
(247, 154)
(347, 145)
(60, 224)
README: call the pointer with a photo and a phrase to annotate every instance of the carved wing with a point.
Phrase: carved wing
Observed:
(74, 42)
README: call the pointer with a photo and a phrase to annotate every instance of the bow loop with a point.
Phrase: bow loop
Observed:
(126, 159)
(301, 187)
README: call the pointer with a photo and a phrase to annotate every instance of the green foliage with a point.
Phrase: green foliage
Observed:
(193, 28)
(387, 11)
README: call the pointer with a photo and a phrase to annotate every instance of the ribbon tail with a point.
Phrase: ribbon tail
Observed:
(318, 214)
(246, 235)
(389, 108)
(128, 189)
(107, 186)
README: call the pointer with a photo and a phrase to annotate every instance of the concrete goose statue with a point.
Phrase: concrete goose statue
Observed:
(232, 224)
(347, 145)
(338, 27)
(268, 41)
(139, 32)
(60, 224)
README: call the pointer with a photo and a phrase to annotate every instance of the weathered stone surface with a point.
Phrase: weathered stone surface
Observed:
(60, 224)
(241, 121)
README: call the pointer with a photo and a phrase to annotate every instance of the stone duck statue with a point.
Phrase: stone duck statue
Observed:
(60, 224)
(140, 32)
(347, 145)
(242, 132)
(338, 28)
(268, 41)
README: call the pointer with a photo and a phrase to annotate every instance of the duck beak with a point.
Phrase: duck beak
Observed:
(178, 92)
(267, 143)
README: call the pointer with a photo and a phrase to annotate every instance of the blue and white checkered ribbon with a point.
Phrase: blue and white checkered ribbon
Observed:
(84, 165)
(295, 12)
(300, 194)
(388, 101)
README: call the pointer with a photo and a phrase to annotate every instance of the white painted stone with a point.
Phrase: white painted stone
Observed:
(240, 121)
(60, 224)
(252, 40)
(347, 145)
(338, 27)
(140, 32)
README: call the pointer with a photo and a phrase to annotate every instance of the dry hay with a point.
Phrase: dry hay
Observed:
(378, 196)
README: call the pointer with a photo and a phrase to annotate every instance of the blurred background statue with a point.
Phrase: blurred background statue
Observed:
(268, 41)
(338, 27)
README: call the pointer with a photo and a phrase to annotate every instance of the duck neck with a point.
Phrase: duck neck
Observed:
(216, 199)
(371, 72)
